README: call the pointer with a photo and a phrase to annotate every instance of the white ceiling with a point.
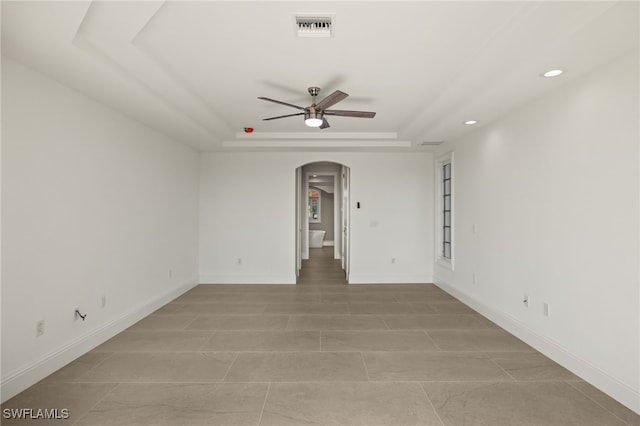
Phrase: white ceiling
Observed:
(194, 69)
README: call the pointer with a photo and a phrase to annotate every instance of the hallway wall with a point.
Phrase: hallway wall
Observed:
(553, 191)
(238, 222)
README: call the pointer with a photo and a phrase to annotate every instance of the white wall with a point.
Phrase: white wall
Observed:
(93, 204)
(238, 221)
(554, 190)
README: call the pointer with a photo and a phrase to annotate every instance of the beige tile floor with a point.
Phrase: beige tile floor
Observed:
(318, 353)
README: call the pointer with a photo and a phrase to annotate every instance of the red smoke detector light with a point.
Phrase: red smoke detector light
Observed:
(248, 129)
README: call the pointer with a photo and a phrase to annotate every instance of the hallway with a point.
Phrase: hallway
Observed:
(321, 268)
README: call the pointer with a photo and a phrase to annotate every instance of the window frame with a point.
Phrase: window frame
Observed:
(441, 259)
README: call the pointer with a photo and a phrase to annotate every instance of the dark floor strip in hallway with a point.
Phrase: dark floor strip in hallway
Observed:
(321, 268)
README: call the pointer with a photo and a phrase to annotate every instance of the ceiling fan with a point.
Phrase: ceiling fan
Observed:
(315, 114)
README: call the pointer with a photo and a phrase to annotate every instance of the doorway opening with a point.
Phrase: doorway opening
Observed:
(322, 223)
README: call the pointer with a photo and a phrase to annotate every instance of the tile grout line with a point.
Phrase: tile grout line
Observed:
(286, 326)
(486, 355)
(384, 321)
(77, 379)
(204, 344)
(116, 385)
(366, 370)
(568, 382)
(186, 327)
(229, 369)
(264, 403)
(432, 340)
(431, 403)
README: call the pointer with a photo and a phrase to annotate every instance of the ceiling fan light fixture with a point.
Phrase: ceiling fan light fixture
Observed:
(313, 118)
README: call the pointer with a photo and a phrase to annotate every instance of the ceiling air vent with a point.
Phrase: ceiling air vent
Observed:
(314, 26)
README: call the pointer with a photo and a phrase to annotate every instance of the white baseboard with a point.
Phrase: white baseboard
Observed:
(613, 387)
(19, 380)
(391, 279)
(248, 279)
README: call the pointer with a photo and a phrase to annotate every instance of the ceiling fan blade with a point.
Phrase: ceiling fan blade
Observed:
(324, 124)
(343, 113)
(283, 116)
(280, 102)
(332, 99)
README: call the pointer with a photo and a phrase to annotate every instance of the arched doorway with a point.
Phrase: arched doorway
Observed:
(325, 212)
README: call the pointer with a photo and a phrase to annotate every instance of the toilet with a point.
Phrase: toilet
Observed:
(316, 238)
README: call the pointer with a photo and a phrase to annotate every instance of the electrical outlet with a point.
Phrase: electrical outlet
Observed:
(525, 300)
(39, 328)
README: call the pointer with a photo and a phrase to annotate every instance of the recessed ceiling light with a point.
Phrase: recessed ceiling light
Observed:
(471, 122)
(552, 73)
